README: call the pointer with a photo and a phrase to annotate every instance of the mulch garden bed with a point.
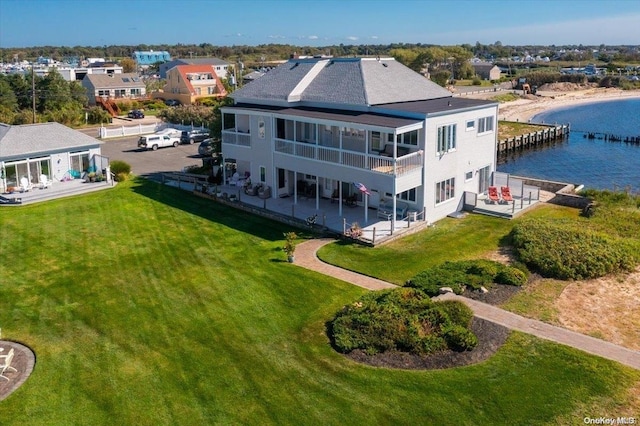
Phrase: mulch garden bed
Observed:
(491, 337)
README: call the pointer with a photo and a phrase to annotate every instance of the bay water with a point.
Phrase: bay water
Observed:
(586, 157)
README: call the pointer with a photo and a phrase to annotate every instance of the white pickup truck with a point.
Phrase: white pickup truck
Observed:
(157, 141)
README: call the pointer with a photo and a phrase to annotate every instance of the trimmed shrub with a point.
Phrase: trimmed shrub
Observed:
(403, 319)
(511, 276)
(458, 312)
(458, 275)
(567, 250)
(118, 167)
(460, 338)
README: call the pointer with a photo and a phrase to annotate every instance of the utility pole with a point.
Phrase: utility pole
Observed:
(33, 92)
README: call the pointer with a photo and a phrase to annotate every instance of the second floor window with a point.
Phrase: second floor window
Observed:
(485, 124)
(446, 138)
(409, 138)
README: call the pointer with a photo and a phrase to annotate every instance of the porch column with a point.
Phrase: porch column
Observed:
(340, 197)
(295, 187)
(317, 193)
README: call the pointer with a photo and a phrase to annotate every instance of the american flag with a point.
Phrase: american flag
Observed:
(361, 187)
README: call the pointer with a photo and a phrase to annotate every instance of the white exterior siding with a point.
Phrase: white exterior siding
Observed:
(473, 151)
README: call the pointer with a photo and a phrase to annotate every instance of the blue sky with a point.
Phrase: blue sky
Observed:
(25, 23)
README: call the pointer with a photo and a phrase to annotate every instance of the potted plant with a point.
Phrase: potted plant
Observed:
(355, 231)
(290, 245)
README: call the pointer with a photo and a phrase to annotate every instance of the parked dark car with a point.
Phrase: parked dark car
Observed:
(136, 113)
(206, 148)
(191, 136)
(172, 102)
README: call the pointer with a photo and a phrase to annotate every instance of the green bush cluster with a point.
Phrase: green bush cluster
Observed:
(402, 319)
(467, 273)
(120, 169)
(568, 250)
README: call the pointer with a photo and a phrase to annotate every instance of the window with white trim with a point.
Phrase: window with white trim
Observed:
(471, 124)
(485, 124)
(468, 176)
(409, 138)
(446, 138)
(445, 190)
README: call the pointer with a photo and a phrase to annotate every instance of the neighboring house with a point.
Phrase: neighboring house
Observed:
(190, 83)
(49, 149)
(78, 73)
(149, 57)
(487, 71)
(219, 66)
(113, 86)
(333, 122)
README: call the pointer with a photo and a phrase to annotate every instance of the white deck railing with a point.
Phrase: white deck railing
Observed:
(359, 160)
(236, 138)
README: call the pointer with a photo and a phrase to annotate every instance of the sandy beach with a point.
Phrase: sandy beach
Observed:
(525, 108)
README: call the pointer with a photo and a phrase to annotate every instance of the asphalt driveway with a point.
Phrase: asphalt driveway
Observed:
(151, 163)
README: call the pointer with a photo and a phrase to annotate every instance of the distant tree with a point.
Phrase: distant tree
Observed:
(128, 65)
(8, 100)
(7, 115)
(22, 90)
(53, 92)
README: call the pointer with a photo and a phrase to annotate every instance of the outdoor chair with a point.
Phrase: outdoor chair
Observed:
(44, 181)
(506, 194)
(6, 365)
(25, 185)
(493, 194)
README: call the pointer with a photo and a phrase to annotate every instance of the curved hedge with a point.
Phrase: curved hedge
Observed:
(567, 250)
(402, 319)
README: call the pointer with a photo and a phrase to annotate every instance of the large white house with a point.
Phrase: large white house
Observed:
(327, 123)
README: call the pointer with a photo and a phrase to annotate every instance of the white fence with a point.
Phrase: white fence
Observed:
(141, 129)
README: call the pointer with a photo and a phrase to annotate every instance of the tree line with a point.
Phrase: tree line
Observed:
(255, 55)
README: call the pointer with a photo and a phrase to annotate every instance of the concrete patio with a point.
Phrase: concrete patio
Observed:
(331, 215)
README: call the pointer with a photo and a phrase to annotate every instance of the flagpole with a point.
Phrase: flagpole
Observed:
(366, 209)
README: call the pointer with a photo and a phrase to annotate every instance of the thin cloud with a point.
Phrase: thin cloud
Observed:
(313, 37)
(352, 38)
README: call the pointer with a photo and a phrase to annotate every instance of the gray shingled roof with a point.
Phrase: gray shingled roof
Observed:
(343, 82)
(115, 81)
(30, 140)
(202, 61)
(277, 84)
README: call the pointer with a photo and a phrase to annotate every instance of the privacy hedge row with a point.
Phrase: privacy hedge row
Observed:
(467, 273)
(402, 319)
(569, 250)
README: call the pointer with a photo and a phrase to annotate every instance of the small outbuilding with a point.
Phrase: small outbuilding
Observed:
(51, 149)
(487, 71)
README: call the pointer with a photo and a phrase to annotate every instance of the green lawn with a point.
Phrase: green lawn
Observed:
(450, 239)
(148, 306)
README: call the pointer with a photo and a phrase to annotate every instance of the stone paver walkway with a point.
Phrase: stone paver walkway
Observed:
(307, 258)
